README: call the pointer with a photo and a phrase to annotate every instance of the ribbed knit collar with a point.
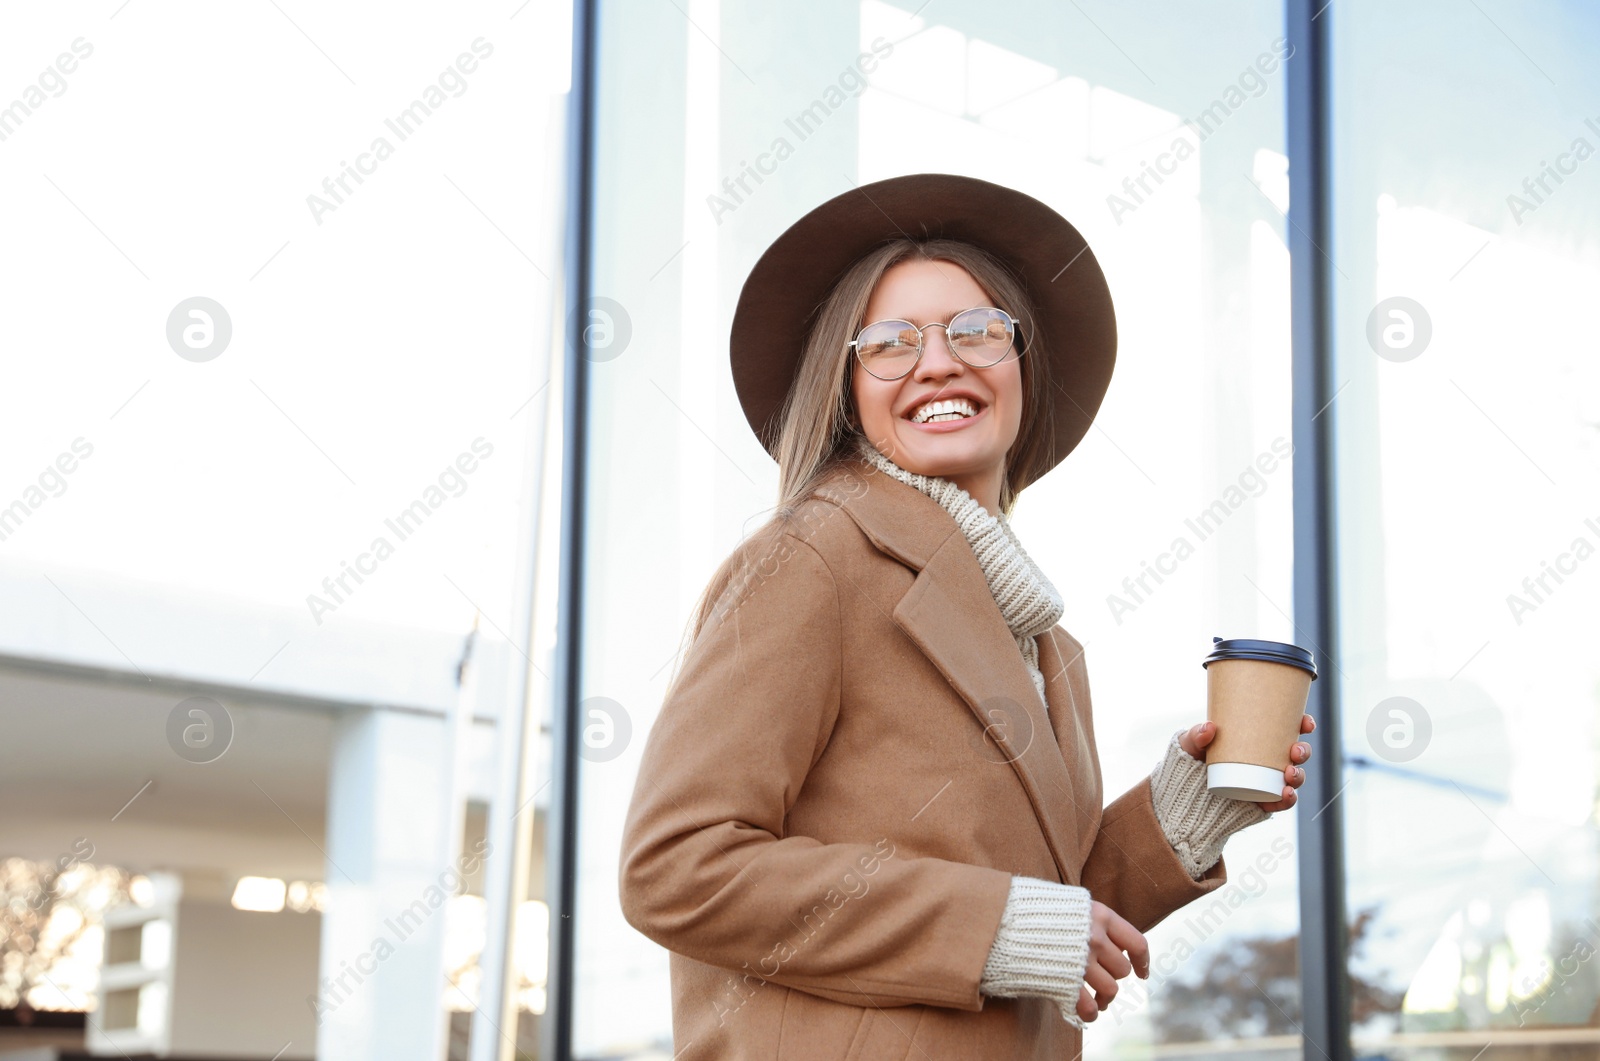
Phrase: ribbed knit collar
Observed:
(1028, 601)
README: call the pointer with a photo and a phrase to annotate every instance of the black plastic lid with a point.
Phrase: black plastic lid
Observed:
(1268, 651)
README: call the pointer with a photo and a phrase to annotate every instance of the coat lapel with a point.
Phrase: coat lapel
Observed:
(950, 614)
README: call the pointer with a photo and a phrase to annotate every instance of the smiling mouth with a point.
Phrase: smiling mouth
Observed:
(944, 410)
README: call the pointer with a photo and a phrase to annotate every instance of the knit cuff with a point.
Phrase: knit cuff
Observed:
(1042, 947)
(1195, 820)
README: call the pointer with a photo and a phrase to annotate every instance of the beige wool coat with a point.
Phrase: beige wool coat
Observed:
(848, 768)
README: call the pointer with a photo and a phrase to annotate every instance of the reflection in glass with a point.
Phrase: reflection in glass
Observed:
(1468, 505)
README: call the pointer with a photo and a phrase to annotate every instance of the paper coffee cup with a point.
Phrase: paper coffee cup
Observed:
(1256, 692)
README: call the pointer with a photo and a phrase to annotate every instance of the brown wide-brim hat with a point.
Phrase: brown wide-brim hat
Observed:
(791, 280)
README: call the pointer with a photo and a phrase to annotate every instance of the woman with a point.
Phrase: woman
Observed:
(868, 820)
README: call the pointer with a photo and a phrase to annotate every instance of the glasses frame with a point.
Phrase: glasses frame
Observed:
(854, 345)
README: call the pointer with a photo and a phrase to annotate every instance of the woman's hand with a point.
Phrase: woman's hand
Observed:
(1116, 948)
(1195, 739)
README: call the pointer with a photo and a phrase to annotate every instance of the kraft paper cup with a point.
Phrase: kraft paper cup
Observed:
(1256, 692)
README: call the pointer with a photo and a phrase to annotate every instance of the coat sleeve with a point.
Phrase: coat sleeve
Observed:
(1130, 865)
(708, 868)
(1134, 870)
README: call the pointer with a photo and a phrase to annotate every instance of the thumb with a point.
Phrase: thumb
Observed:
(1194, 739)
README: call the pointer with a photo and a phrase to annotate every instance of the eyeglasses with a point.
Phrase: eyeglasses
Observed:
(979, 337)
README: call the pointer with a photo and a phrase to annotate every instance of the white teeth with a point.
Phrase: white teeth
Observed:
(950, 409)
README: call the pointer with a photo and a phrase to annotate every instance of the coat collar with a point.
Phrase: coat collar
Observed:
(951, 615)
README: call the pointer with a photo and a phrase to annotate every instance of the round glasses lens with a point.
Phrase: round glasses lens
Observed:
(981, 336)
(888, 349)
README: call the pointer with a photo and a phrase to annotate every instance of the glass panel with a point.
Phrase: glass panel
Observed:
(1468, 514)
(1158, 132)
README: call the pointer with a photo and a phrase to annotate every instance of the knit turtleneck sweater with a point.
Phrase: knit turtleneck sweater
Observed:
(1042, 946)
(1027, 599)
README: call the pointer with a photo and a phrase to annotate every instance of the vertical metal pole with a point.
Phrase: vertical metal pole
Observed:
(456, 754)
(565, 721)
(506, 872)
(1324, 979)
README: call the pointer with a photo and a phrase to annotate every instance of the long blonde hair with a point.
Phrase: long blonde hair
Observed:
(817, 421)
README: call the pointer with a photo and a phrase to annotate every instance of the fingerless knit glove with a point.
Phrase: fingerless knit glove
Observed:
(1042, 946)
(1195, 820)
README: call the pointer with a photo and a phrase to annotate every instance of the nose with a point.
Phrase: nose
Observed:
(937, 359)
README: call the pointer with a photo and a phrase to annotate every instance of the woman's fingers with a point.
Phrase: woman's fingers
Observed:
(1290, 798)
(1109, 957)
(1293, 776)
(1088, 1010)
(1127, 938)
(1116, 949)
(1104, 984)
(1194, 739)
